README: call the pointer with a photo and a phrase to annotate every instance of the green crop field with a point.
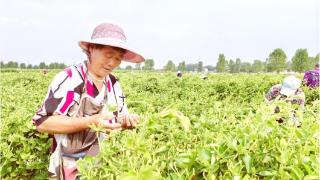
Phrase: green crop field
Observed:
(220, 128)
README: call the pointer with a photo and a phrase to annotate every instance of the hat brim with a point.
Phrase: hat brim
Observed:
(130, 55)
(287, 91)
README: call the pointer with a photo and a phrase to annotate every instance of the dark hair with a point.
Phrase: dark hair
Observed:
(100, 46)
(317, 65)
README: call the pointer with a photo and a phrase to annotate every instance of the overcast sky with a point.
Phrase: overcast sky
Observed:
(32, 31)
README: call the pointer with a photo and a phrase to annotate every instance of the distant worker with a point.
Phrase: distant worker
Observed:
(45, 71)
(311, 78)
(290, 92)
(179, 74)
(204, 75)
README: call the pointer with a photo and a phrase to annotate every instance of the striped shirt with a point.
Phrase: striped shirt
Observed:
(66, 88)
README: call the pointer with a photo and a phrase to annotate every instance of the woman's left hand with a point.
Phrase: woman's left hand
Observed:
(128, 121)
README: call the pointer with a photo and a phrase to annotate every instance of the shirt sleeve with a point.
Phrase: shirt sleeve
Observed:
(60, 96)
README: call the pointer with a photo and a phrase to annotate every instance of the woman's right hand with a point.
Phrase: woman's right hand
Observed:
(104, 120)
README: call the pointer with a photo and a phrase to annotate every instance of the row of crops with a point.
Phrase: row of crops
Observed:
(219, 128)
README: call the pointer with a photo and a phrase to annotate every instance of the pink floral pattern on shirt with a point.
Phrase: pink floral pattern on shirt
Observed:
(311, 78)
(274, 92)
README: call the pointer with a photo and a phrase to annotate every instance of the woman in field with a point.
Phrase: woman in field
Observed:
(79, 97)
(290, 92)
(312, 78)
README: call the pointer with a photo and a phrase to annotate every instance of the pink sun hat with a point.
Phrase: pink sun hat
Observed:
(112, 35)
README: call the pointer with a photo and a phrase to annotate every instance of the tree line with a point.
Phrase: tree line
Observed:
(182, 66)
(41, 65)
(277, 61)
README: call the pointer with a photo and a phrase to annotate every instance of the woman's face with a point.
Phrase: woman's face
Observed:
(104, 60)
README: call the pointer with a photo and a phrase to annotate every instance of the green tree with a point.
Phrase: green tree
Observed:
(200, 66)
(257, 66)
(42, 65)
(300, 60)
(148, 64)
(246, 67)
(29, 66)
(231, 66)
(61, 66)
(314, 60)
(137, 66)
(182, 66)
(221, 64)
(237, 65)
(277, 60)
(23, 65)
(170, 66)
(12, 64)
(53, 66)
